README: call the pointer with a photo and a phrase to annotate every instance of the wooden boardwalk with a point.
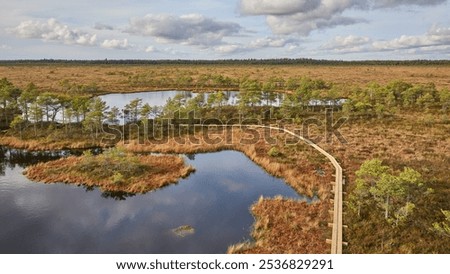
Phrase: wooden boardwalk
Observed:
(336, 238)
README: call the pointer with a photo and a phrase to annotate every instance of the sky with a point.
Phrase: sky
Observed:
(227, 29)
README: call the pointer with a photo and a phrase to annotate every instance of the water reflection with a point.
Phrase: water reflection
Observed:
(18, 157)
(159, 98)
(58, 218)
(22, 158)
(117, 195)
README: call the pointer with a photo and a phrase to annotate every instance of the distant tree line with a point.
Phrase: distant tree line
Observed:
(281, 61)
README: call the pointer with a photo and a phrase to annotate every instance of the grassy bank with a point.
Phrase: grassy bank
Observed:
(113, 171)
(286, 227)
(45, 144)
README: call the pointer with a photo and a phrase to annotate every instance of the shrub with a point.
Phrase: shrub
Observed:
(274, 152)
(118, 178)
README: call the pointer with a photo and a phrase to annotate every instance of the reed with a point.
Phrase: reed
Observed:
(43, 144)
(285, 226)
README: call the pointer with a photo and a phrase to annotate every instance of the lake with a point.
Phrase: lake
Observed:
(156, 98)
(59, 218)
(159, 98)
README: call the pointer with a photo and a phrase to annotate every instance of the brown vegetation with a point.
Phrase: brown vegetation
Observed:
(146, 173)
(400, 141)
(286, 227)
(47, 143)
(116, 78)
(403, 141)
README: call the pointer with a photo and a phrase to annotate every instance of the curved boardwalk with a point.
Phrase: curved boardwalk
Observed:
(336, 240)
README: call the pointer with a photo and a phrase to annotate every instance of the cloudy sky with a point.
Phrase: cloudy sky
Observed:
(213, 29)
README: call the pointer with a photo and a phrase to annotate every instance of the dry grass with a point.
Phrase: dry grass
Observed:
(286, 227)
(114, 78)
(161, 171)
(46, 144)
(403, 141)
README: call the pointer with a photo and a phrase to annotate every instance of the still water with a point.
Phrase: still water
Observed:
(59, 218)
(158, 98)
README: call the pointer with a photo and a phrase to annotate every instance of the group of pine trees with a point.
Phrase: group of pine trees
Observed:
(74, 104)
(385, 205)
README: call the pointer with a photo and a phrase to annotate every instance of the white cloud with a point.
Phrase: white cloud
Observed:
(229, 49)
(270, 7)
(431, 50)
(436, 36)
(52, 30)
(5, 47)
(303, 16)
(165, 50)
(395, 3)
(101, 26)
(151, 49)
(192, 29)
(436, 40)
(403, 42)
(439, 35)
(293, 47)
(347, 41)
(269, 42)
(257, 44)
(347, 44)
(116, 44)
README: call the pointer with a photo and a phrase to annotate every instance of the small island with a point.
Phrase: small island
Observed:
(113, 170)
(183, 231)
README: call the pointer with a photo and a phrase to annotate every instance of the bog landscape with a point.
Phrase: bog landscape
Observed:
(249, 156)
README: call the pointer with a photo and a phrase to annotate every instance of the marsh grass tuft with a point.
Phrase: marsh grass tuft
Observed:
(285, 226)
(183, 231)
